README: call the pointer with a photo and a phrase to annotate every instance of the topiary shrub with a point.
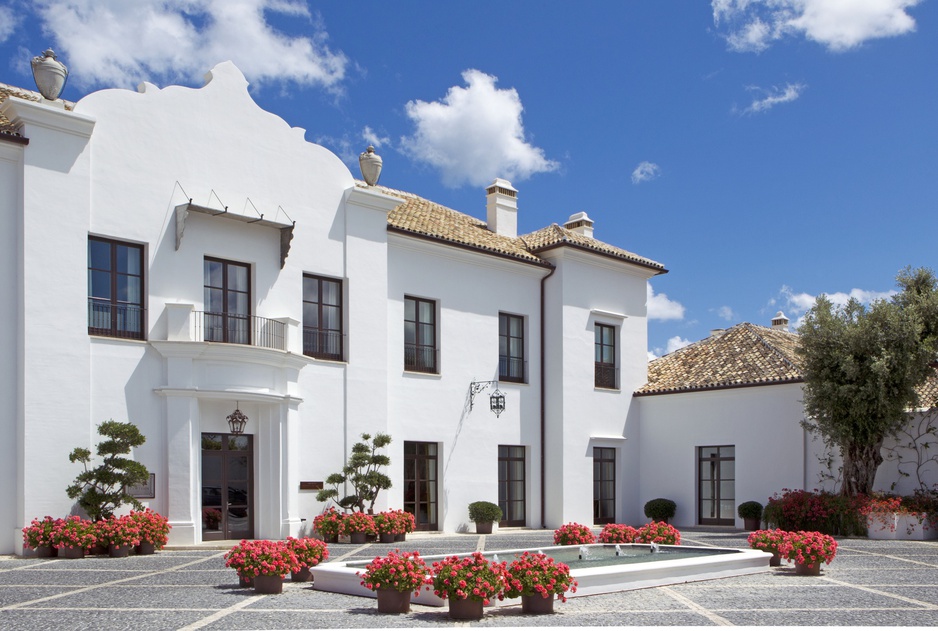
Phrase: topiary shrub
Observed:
(484, 512)
(660, 509)
(749, 510)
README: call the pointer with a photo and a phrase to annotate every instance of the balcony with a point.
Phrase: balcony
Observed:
(512, 369)
(185, 324)
(122, 320)
(323, 344)
(418, 358)
(606, 376)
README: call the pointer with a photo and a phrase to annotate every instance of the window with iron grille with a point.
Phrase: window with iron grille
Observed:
(420, 351)
(115, 289)
(511, 362)
(322, 318)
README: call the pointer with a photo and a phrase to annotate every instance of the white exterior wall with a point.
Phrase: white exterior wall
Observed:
(761, 422)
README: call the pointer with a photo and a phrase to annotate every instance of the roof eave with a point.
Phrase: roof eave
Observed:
(473, 248)
(720, 386)
(657, 268)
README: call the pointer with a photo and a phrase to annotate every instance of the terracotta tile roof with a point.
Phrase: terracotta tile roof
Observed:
(6, 127)
(554, 235)
(744, 355)
(928, 391)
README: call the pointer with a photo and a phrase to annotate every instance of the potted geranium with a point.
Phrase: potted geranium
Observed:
(405, 524)
(309, 553)
(469, 583)
(772, 541)
(658, 532)
(573, 534)
(263, 562)
(119, 534)
(72, 536)
(537, 579)
(393, 578)
(617, 533)
(38, 536)
(751, 514)
(386, 525)
(328, 524)
(357, 526)
(660, 509)
(484, 514)
(808, 549)
(154, 530)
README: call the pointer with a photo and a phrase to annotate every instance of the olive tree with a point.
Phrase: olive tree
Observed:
(363, 472)
(861, 367)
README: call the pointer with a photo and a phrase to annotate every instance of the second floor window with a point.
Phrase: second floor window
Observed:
(227, 315)
(605, 345)
(322, 317)
(420, 353)
(115, 289)
(511, 348)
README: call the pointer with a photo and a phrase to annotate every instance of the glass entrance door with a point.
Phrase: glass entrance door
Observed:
(420, 483)
(227, 487)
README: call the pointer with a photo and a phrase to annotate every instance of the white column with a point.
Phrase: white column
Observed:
(183, 451)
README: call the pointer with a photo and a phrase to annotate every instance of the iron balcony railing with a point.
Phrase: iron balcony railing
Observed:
(607, 376)
(512, 369)
(116, 319)
(233, 328)
(419, 358)
(323, 344)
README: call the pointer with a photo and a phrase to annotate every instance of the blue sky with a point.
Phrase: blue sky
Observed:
(765, 151)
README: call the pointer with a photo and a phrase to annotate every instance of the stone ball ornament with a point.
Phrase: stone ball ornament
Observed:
(50, 74)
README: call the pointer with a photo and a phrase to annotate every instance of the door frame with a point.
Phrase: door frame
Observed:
(224, 531)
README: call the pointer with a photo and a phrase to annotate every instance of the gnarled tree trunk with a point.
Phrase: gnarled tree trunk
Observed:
(860, 465)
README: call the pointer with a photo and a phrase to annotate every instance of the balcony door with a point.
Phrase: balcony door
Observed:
(227, 301)
(227, 487)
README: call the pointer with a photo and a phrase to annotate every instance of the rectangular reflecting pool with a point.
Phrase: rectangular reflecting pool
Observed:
(598, 568)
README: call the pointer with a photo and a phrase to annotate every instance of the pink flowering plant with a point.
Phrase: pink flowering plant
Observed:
(119, 532)
(39, 533)
(153, 527)
(385, 524)
(658, 532)
(405, 521)
(328, 523)
(472, 577)
(810, 548)
(253, 558)
(536, 574)
(309, 552)
(573, 534)
(73, 532)
(617, 533)
(405, 572)
(357, 522)
(772, 541)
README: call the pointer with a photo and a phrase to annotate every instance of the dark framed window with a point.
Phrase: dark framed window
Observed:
(716, 484)
(604, 485)
(115, 289)
(420, 352)
(606, 373)
(511, 485)
(322, 318)
(227, 315)
(511, 364)
(420, 483)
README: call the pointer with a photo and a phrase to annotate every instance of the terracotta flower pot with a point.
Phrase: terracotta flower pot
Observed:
(776, 560)
(268, 584)
(465, 609)
(146, 547)
(537, 604)
(393, 601)
(386, 537)
(71, 552)
(357, 537)
(401, 536)
(808, 570)
(484, 527)
(118, 552)
(303, 576)
(45, 552)
(245, 582)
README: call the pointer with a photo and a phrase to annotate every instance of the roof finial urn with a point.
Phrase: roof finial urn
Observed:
(370, 164)
(50, 74)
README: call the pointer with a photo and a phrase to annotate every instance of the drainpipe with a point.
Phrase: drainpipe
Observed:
(544, 404)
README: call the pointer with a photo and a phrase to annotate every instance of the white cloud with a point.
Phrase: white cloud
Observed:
(753, 25)
(474, 134)
(372, 138)
(660, 307)
(8, 23)
(645, 171)
(774, 96)
(676, 343)
(726, 313)
(797, 304)
(120, 43)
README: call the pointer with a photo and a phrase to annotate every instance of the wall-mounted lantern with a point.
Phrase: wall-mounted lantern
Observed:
(496, 399)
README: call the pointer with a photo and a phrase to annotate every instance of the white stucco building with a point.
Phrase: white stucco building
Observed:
(174, 254)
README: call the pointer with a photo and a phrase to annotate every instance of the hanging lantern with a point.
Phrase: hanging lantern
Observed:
(49, 75)
(236, 421)
(497, 402)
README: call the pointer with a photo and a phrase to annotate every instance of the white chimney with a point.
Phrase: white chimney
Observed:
(780, 322)
(501, 205)
(580, 223)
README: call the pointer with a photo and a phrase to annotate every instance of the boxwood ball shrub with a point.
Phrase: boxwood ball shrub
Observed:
(749, 510)
(483, 512)
(660, 509)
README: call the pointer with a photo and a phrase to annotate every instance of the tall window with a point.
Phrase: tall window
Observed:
(604, 485)
(511, 348)
(420, 353)
(511, 484)
(716, 478)
(322, 317)
(605, 356)
(420, 483)
(227, 302)
(115, 289)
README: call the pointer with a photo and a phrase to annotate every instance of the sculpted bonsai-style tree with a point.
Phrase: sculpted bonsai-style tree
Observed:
(103, 489)
(362, 472)
(861, 368)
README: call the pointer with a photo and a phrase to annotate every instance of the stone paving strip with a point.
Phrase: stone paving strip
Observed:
(870, 583)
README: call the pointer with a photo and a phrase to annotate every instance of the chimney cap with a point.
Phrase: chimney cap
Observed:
(780, 321)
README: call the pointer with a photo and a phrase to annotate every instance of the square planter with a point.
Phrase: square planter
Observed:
(881, 526)
(911, 528)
